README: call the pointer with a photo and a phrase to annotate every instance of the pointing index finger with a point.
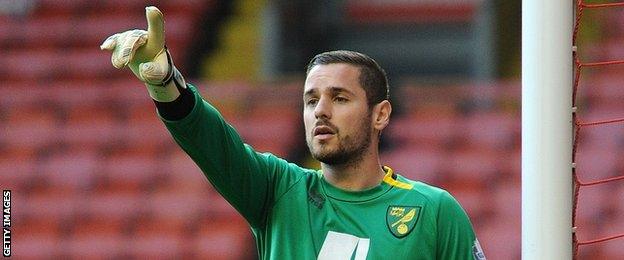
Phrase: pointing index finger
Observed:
(155, 29)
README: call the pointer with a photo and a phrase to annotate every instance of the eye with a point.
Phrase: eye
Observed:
(341, 99)
(311, 102)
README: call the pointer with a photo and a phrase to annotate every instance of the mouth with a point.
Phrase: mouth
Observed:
(323, 132)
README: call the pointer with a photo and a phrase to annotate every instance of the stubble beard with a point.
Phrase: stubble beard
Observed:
(350, 149)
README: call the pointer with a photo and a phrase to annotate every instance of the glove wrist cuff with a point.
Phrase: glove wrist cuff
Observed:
(169, 89)
(172, 73)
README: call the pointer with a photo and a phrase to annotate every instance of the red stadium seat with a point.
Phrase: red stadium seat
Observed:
(273, 133)
(472, 165)
(603, 87)
(500, 238)
(230, 98)
(436, 130)
(50, 210)
(606, 137)
(128, 205)
(30, 127)
(511, 168)
(177, 208)
(494, 130)
(596, 162)
(184, 175)
(34, 246)
(613, 225)
(589, 212)
(17, 169)
(223, 238)
(72, 170)
(90, 124)
(96, 236)
(95, 246)
(506, 200)
(150, 135)
(38, 226)
(419, 163)
(166, 246)
(471, 199)
(127, 170)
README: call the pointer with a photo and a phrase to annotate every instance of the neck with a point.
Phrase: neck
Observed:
(359, 175)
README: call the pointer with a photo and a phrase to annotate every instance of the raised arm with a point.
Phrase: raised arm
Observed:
(248, 180)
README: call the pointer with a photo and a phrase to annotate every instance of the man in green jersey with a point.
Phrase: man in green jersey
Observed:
(353, 208)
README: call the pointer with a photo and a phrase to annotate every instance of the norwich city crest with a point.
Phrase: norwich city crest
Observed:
(402, 219)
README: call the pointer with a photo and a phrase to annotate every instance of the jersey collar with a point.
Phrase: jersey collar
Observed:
(364, 195)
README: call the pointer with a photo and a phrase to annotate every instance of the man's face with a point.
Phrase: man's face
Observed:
(336, 115)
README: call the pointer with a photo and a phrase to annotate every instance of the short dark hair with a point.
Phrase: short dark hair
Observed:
(372, 77)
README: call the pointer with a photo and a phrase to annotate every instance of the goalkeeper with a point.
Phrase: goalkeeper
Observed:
(353, 208)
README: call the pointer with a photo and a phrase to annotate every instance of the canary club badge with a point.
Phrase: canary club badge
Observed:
(402, 219)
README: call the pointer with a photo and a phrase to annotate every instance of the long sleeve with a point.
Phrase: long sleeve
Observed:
(249, 180)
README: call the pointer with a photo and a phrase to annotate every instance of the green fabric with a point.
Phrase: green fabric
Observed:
(293, 211)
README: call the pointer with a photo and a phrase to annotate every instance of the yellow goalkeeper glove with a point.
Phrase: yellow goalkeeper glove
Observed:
(147, 56)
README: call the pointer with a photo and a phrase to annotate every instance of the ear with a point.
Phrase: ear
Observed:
(381, 115)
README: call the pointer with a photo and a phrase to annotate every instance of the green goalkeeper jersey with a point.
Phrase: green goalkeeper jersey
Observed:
(294, 213)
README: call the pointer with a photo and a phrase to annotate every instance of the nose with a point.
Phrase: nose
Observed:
(323, 108)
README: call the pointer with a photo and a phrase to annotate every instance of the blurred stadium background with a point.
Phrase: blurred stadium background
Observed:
(94, 173)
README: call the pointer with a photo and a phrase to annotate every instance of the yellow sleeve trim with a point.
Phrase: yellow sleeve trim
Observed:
(389, 180)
